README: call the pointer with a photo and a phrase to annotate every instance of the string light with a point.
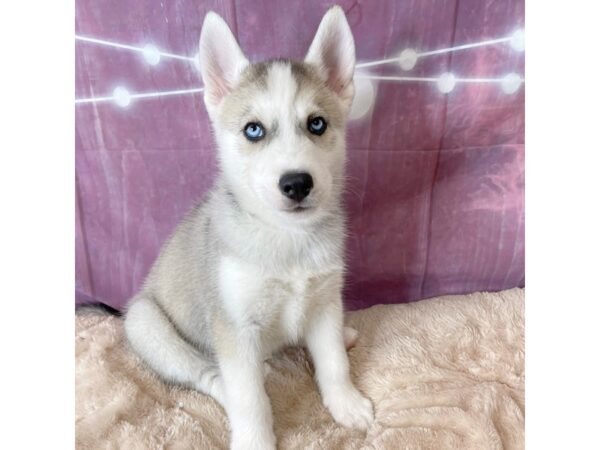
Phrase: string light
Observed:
(408, 58)
(517, 41)
(364, 98)
(122, 97)
(364, 82)
(150, 52)
(446, 82)
(511, 83)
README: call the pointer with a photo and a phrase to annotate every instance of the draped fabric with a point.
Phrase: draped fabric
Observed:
(435, 181)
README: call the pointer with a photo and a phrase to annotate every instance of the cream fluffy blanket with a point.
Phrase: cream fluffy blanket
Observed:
(444, 373)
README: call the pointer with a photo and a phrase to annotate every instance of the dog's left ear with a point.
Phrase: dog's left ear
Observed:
(332, 51)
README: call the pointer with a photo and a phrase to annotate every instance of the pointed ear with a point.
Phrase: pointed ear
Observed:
(221, 60)
(332, 51)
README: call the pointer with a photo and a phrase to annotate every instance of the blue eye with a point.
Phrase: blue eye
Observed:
(254, 131)
(317, 125)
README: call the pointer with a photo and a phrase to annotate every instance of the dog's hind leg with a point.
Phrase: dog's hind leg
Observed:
(155, 339)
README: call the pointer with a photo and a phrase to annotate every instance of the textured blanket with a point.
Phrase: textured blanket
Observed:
(444, 373)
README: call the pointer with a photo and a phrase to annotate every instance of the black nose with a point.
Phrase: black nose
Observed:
(296, 185)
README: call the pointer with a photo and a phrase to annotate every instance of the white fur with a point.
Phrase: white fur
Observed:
(243, 276)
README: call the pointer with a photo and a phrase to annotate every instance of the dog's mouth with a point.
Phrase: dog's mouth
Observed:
(299, 209)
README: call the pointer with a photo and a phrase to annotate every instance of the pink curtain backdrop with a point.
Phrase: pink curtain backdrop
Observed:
(435, 197)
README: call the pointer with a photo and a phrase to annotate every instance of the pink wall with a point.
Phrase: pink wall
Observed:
(436, 181)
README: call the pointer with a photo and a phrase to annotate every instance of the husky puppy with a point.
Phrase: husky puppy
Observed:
(258, 265)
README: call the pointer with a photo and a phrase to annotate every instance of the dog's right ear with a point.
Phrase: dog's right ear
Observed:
(221, 60)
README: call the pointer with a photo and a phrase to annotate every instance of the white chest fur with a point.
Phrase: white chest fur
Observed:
(294, 308)
(279, 304)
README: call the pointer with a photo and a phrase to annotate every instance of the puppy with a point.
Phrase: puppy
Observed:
(258, 264)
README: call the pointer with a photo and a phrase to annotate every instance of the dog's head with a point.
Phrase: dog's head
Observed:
(280, 124)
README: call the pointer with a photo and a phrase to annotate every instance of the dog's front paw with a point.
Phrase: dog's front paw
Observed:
(350, 408)
(253, 441)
